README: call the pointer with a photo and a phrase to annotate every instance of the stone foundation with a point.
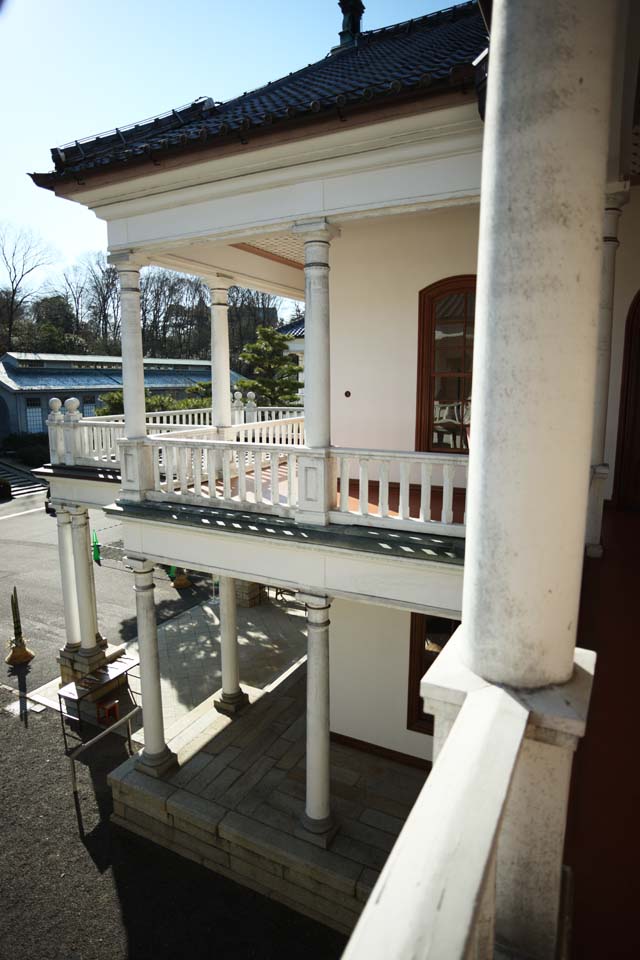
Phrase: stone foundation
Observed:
(249, 594)
(74, 666)
(326, 887)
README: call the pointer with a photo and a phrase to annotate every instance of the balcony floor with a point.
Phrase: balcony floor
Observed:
(236, 804)
(376, 540)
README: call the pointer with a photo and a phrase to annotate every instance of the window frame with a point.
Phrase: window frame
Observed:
(465, 284)
(417, 719)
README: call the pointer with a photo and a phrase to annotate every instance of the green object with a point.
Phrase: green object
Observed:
(274, 374)
(95, 546)
(172, 573)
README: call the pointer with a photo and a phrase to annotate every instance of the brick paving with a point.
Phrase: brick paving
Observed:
(236, 802)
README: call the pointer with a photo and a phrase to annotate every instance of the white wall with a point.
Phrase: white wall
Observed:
(627, 284)
(378, 268)
(369, 651)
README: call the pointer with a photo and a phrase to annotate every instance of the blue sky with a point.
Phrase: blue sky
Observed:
(72, 68)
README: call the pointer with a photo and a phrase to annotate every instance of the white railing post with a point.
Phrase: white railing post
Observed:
(237, 408)
(250, 408)
(71, 417)
(55, 429)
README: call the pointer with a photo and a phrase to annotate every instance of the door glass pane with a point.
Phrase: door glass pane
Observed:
(448, 413)
(449, 347)
(450, 307)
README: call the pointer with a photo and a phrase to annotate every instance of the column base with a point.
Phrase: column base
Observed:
(156, 764)
(318, 832)
(231, 703)
(75, 663)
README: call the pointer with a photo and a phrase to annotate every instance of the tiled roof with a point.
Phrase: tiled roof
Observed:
(47, 380)
(430, 54)
(293, 329)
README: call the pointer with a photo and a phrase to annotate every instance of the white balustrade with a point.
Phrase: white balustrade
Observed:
(398, 489)
(253, 476)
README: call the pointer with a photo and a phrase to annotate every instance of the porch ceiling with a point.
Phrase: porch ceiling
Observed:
(269, 262)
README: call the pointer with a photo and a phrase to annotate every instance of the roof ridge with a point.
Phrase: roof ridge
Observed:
(437, 16)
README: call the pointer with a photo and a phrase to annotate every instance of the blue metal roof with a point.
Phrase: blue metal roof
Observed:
(31, 380)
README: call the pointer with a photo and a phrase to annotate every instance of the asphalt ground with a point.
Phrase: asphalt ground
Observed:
(29, 561)
(107, 895)
(101, 894)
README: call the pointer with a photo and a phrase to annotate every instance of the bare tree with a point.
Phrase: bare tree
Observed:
(22, 253)
(74, 287)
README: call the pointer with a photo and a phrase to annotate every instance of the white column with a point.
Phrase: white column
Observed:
(155, 758)
(543, 179)
(67, 577)
(232, 697)
(317, 236)
(85, 590)
(599, 469)
(220, 362)
(317, 816)
(136, 465)
(132, 350)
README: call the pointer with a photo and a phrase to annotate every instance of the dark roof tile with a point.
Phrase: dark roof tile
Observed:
(407, 56)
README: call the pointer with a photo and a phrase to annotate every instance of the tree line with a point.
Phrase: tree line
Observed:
(80, 311)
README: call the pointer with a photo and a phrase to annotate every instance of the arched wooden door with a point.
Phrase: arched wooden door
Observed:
(627, 478)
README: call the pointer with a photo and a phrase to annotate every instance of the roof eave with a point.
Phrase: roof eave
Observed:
(459, 82)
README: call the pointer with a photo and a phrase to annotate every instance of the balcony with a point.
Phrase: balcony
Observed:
(263, 465)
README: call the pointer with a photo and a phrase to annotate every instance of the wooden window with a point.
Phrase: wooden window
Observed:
(428, 636)
(445, 361)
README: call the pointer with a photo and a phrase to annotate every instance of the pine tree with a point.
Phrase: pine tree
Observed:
(275, 374)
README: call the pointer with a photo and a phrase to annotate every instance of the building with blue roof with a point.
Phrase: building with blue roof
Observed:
(29, 380)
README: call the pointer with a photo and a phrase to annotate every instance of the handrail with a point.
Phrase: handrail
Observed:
(434, 886)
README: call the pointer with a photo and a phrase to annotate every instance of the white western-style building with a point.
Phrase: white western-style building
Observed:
(467, 277)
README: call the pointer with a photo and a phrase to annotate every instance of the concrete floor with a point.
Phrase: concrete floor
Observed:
(271, 637)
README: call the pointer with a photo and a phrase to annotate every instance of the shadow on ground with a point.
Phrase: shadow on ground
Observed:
(111, 896)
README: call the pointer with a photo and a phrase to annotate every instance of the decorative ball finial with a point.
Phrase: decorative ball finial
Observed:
(55, 404)
(71, 405)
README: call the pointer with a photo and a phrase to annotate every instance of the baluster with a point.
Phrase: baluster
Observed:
(383, 489)
(168, 467)
(363, 484)
(257, 475)
(211, 472)
(155, 458)
(275, 486)
(426, 469)
(448, 471)
(404, 489)
(291, 467)
(226, 473)
(344, 484)
(242, 475)
(182, 469)
(197, 471)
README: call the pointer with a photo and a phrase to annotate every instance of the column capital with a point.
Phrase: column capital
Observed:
(220, 281)
(617, 193)
(79, 515)
(63, 515)
(316, 230)
(314, 601)
(125, 261)
(139, 565)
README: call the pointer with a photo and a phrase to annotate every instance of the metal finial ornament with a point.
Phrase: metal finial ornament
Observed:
(19, 652)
